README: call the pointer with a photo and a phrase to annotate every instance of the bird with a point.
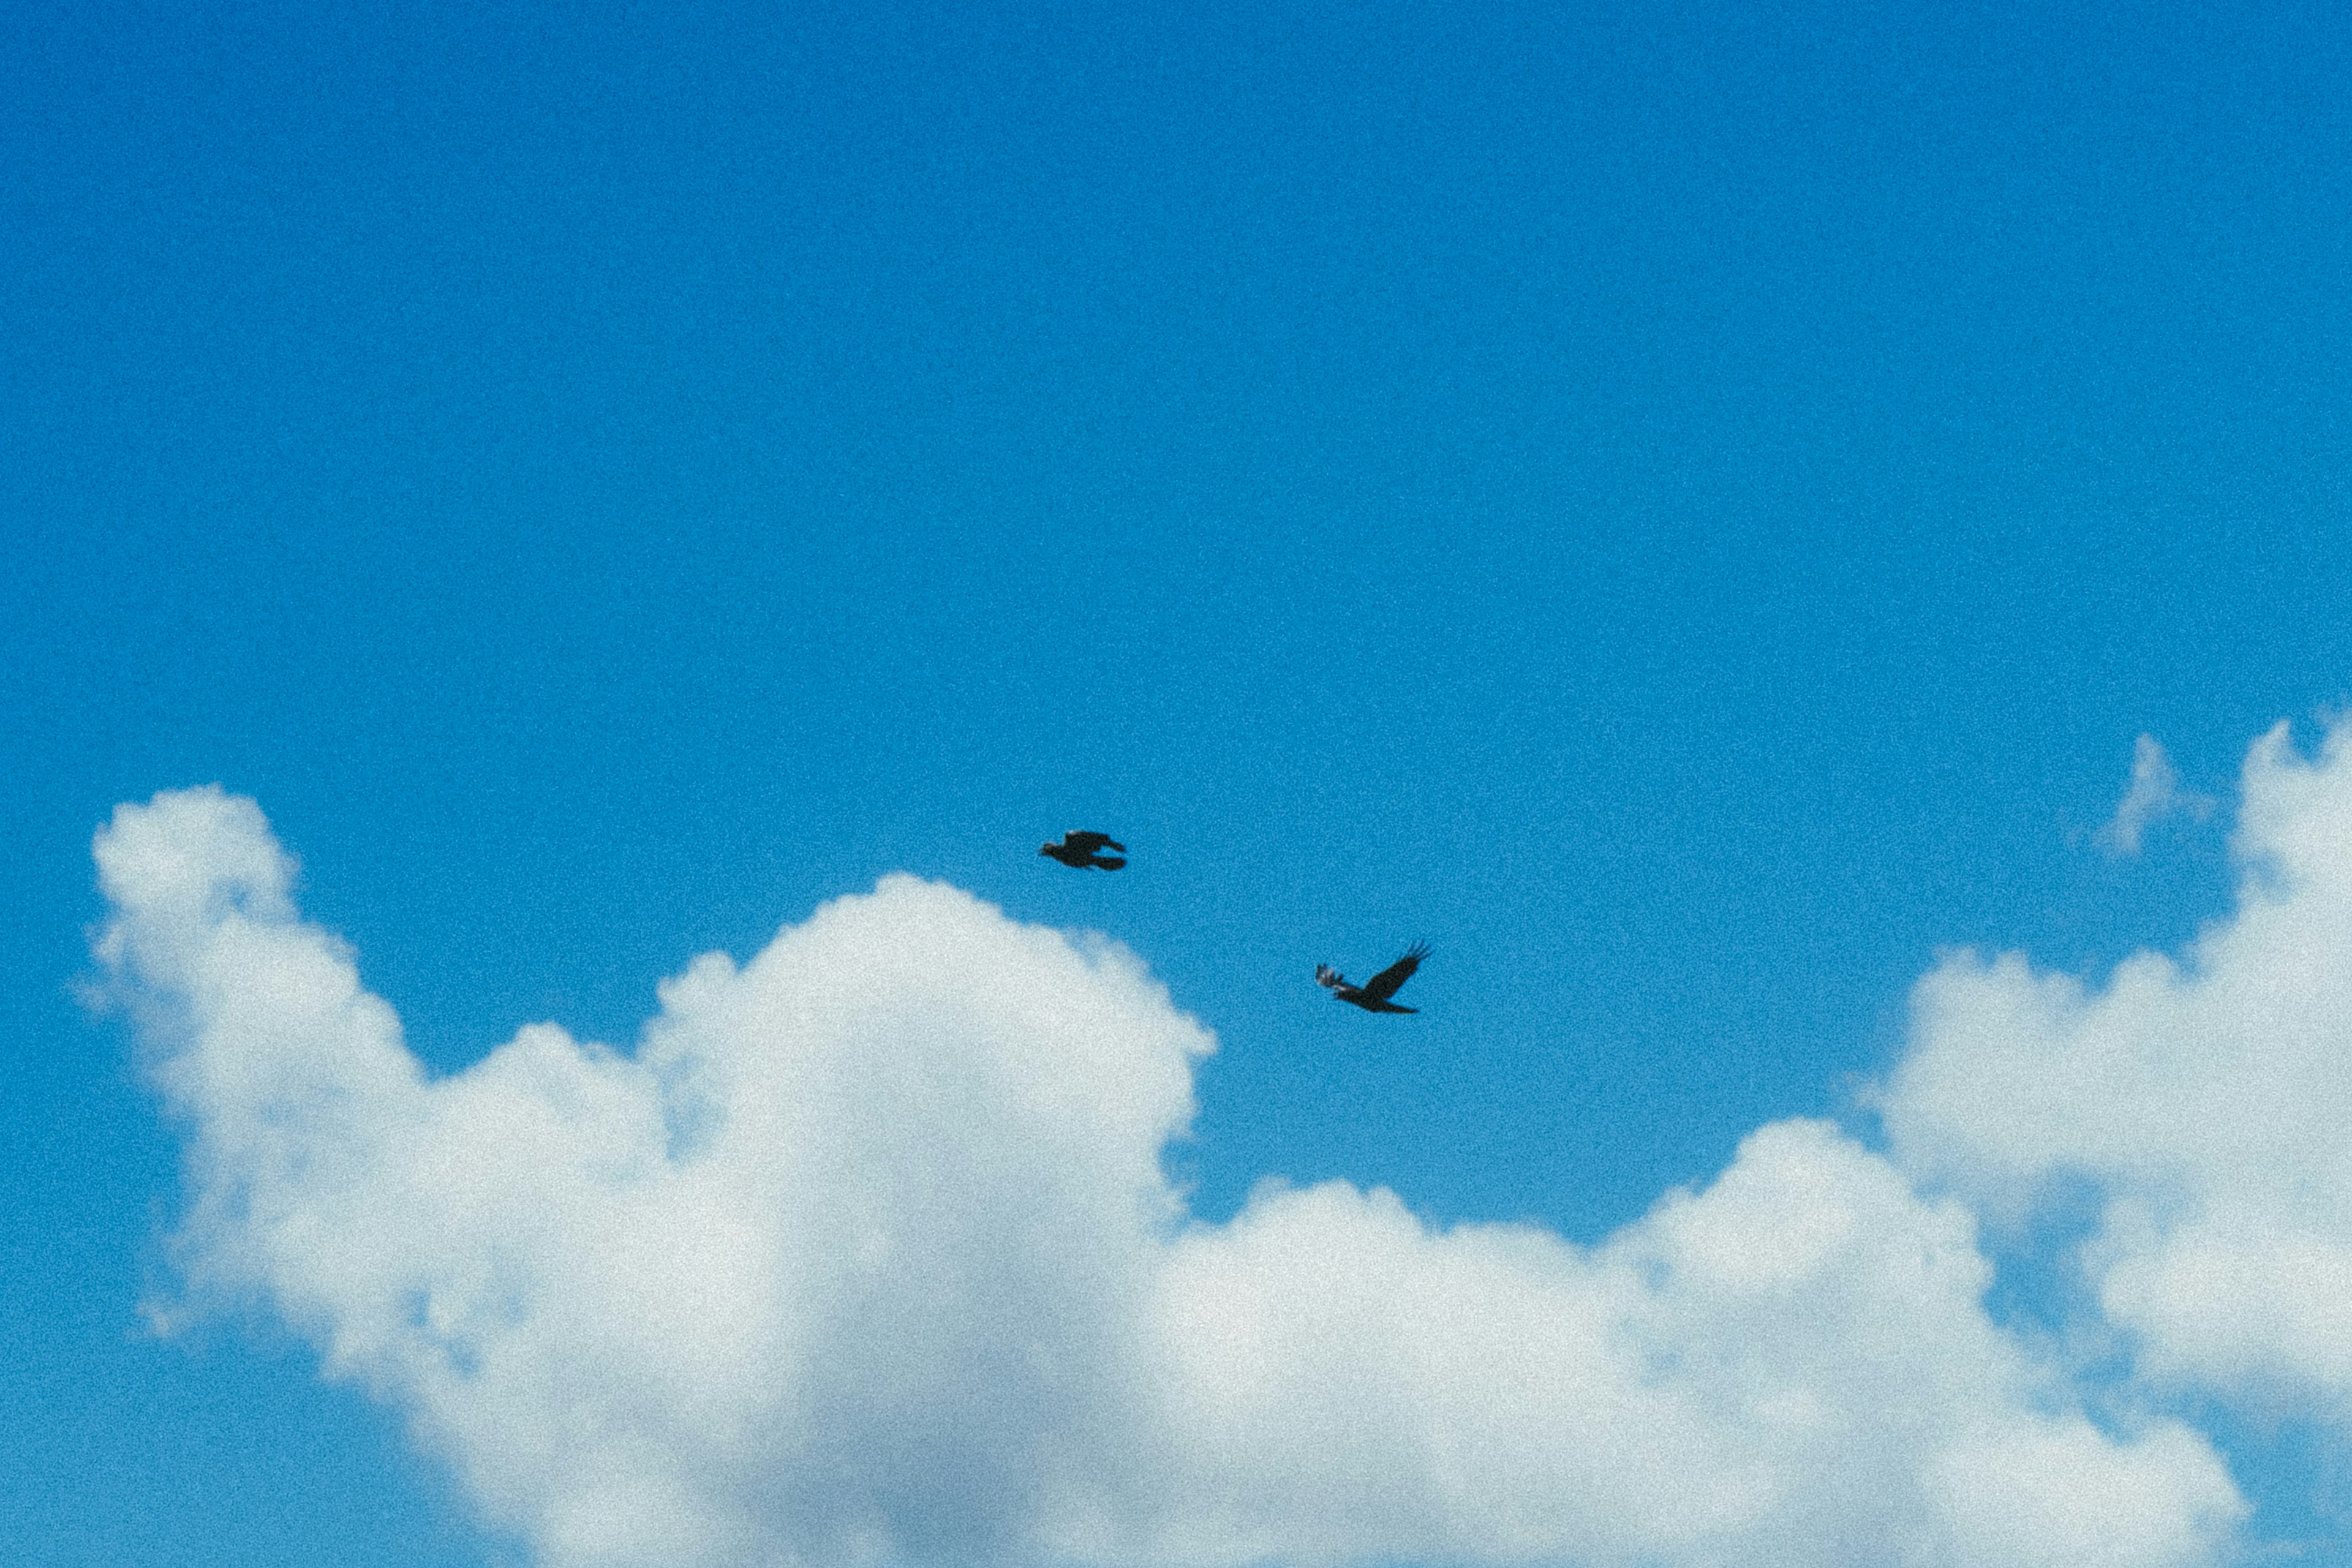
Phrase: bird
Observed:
(1079, 849)
(1373, 994)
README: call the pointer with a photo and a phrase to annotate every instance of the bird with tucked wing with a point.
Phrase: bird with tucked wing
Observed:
(1082, 849)
(1373, 994)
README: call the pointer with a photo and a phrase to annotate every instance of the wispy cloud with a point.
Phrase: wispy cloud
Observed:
(866, 1254)
(2154, 792)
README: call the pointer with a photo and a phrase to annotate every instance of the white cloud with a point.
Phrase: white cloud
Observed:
(2154, 792)
(866, 1254)
(2209, 1099)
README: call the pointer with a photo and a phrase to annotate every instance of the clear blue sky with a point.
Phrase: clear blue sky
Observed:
(1686, 511)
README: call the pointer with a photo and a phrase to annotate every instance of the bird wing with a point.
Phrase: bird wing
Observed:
(1087, 843)
(1383, 986)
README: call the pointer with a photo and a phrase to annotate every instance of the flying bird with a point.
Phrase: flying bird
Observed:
(1373, 994)
(1081, 849)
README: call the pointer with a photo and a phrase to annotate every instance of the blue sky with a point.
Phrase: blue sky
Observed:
(1688, 512)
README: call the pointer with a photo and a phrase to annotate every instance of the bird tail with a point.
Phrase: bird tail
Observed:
(1327, 975)
(1107, 862)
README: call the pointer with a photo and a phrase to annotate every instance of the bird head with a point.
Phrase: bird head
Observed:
(1047, 848)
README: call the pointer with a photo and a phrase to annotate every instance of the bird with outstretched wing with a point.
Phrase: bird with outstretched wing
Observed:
(1082, 848)
(1373, 994)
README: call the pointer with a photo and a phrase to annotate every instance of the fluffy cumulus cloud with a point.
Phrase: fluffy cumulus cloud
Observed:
(2207, 1100)
(865, 1254)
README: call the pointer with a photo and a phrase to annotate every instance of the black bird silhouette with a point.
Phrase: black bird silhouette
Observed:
(1078, 848)
(1373, 994)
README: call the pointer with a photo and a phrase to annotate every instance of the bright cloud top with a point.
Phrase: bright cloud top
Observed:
(866, 1254)
(2208, 1099)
